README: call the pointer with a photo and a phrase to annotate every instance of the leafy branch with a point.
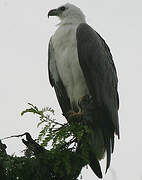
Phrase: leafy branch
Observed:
(63, 161)
(65, 136)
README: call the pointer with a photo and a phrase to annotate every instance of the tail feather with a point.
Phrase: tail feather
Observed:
(108, 139)
(112, 143)
(108, 149)
(95, 166)
(109, 145)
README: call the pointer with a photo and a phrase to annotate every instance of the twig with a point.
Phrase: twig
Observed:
(20, 135)
(52, 121)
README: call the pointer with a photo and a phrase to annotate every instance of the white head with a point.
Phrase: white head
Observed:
(68, 14)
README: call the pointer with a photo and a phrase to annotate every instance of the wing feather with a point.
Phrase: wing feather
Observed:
(99, 71)
(100, 74)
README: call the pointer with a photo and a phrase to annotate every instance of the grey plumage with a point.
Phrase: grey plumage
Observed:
(99, 71)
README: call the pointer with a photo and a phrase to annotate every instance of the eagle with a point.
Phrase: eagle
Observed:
(84, 77)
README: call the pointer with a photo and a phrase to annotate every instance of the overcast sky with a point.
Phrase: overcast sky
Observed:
(24, 34)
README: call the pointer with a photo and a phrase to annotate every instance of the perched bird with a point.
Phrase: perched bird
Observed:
(83, 74)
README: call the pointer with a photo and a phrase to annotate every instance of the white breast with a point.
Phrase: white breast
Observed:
(66, 55)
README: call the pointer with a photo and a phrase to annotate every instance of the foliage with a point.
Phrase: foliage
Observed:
(63, 161)
(63, 136)
(50, 165)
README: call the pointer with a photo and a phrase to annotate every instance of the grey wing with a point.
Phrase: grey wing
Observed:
(100, 74)
(56, 82)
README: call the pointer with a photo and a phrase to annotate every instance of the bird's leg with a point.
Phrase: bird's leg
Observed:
(84, 107)
(75, 115)
(86, 103)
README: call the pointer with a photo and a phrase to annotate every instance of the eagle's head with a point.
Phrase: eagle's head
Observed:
(68, 13)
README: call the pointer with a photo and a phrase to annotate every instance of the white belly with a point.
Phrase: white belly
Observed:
(66, 55)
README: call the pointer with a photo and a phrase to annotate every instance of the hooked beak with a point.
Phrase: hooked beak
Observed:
(53, 12)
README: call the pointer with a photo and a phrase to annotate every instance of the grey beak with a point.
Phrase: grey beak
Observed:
(53, 12)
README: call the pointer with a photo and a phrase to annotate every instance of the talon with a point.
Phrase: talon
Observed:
(74, 117)
(69, 113)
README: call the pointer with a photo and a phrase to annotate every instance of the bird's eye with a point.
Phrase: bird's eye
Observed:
(62, 8)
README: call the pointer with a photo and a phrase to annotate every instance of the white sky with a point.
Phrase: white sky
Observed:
(24, 34)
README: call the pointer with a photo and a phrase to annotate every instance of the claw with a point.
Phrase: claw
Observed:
(75, 117)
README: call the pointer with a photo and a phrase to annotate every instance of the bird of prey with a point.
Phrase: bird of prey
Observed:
(81, 70)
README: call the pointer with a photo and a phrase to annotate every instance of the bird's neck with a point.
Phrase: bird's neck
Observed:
(75, 20)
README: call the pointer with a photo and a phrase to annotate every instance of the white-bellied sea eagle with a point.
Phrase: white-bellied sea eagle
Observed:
(81, 70)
